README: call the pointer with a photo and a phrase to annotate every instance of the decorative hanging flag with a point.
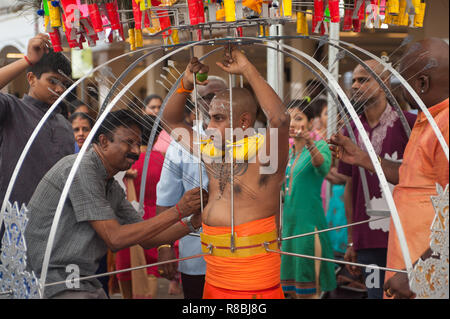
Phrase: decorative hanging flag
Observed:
(54, 14)
(302, 23)
(393, 7)
(333, 6)
(287, 8)
(230, 10)
(317, 21)
(420, 13)
(55, 38)
(114, 18)
(96, 18)
(348, 23)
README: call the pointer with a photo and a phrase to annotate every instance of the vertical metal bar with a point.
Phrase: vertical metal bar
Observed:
(333, 68)
(232, 246)
(197, 118)
(200, 175)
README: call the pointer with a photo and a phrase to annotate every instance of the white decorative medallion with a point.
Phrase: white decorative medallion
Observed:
(15, 281)
(429, 278)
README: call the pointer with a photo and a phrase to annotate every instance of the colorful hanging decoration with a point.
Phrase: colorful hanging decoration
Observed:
(77, 21)
(318, 23)
(333, 6)
(230, 10)
(302, 24)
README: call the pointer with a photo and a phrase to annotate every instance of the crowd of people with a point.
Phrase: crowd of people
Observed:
(187, 202)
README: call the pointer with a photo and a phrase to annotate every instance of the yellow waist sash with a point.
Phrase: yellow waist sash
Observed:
(246, 246)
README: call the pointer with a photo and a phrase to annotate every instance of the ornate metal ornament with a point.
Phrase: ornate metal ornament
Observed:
(15, 281)
(429, 278)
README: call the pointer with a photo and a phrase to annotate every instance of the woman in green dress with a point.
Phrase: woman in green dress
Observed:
(309, 163)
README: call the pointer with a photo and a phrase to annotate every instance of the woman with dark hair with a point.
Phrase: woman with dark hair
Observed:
(309, 162)
(81, 124)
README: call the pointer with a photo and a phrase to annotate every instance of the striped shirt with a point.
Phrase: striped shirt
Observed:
(77, 246)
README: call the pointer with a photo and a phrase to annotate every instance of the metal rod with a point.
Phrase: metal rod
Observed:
(128, 269)
(333, 228)
(333, 260)
(200, 175)
(232, 245)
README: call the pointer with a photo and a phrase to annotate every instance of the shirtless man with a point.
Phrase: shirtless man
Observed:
(245, 272)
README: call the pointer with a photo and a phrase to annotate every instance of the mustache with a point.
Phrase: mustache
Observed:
(132, 156)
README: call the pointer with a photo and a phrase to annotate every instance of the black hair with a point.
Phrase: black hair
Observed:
(149, 122)
(51, 62)
(75, 105)
(314, 87)
(318, 105)
(82, 116)
(125, 118)
(304, 106)
(151, 97)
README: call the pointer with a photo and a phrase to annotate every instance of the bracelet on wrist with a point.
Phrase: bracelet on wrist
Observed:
(182, 89)
(163, 246)
(28, 60)
(180, 217)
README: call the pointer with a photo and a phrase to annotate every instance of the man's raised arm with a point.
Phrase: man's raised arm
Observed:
(173, 115)
(236, 62)
(37, 46)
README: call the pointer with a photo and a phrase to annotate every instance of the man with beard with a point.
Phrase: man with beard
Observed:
(367, 243)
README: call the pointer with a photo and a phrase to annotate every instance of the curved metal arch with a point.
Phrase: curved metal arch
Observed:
(79, 157)
(172, 90)
(366, 140)
(122, 76)
(81, 154)
(371, 152)
(377, 78)
(411, 91)
(41, 123)
(318, 65)
(152, 136)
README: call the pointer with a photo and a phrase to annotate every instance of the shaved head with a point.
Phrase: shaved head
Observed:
(243, 102)
(244, 113)
(425, 67)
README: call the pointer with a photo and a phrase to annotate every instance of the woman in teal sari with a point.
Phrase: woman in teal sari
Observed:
(309, 163)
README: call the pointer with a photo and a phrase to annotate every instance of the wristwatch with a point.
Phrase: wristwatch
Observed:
(188, 222)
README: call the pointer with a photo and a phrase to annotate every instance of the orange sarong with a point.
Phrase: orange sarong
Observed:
(253, 277)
